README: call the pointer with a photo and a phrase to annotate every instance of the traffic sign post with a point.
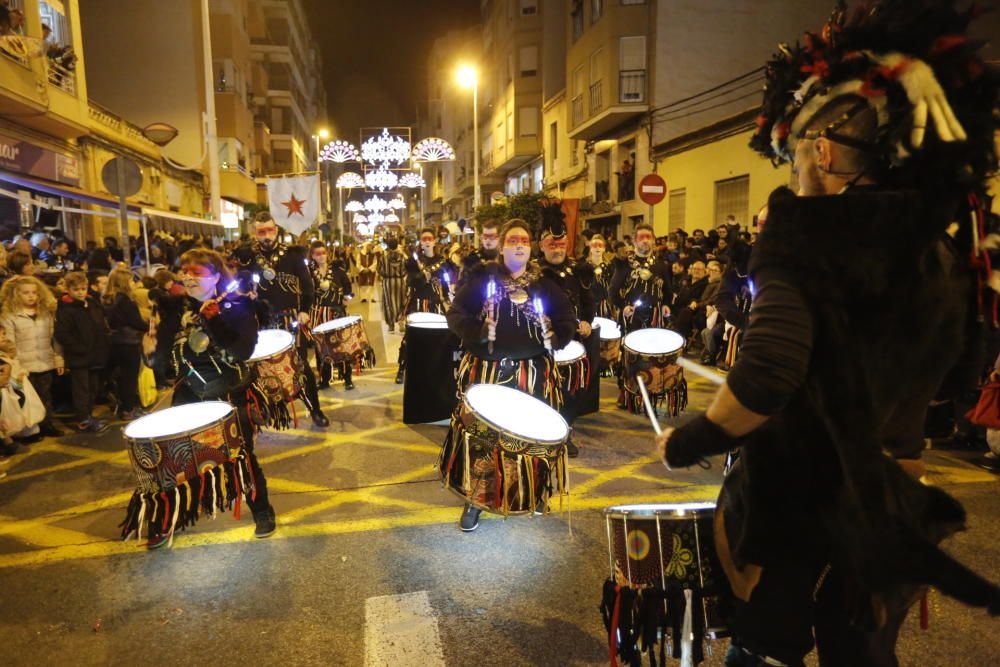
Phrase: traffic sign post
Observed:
(122, 177)
(652, 190)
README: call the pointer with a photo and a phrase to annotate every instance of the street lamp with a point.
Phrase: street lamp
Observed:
(468, 77)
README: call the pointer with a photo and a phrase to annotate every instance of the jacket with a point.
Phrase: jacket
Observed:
(125, 321)
(33, 337)
(82, 332)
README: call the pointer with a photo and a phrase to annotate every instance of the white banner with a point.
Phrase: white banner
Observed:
(294, 201)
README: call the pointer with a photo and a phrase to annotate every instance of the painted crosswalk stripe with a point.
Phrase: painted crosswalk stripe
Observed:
(401, 631)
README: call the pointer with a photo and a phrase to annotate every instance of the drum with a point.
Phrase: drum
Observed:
(186, 459)
(344, 340)
(652, 354)
(278, 364)
(505, 452)
(430, 356)
(670, 547)
(611, 343)
(574, 367)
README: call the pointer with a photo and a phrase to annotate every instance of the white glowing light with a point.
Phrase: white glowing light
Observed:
(433, 149)
(381, 179)
(360, 217)
(375, 218)
(412, 180)
(392, 217)
(385, 148)
(350, 179)
(376, 204)
(339, 151)
(363, 229)
(354, 206)
(397, 204)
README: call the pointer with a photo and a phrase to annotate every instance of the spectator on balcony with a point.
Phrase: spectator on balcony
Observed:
(626, 180)
(63, 57)
(11, 21)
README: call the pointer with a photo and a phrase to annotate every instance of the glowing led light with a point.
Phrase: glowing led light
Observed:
(354, 206)
(375, 218)
(381, 179)
(397, 204)
(360, 217)
(392, 217)
(412, 180)
(350, 179)
(385, 148)
(339, 151)
(376, 204)
(363, 229)
(433, 149)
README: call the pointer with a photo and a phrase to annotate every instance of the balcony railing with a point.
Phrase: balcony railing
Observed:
(596, 98)
(62, 78)
(632, 86)
(577, 110)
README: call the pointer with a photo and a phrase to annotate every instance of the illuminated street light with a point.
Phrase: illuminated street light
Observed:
(468, 77)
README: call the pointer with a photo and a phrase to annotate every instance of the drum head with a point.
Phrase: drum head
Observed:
(426, 321)
(609, 328)
(654, 342)
(177, 420)
(573, 351)
(517, 413)
(662, 510)
(270, 342)
(338, 323)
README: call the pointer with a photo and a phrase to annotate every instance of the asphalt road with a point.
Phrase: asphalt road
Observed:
(368, 566)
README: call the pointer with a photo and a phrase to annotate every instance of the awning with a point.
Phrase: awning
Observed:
(602, 216)
(171, 223)
(67, 209)
(60, 190)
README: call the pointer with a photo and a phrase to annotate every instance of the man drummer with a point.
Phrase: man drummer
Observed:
(333, 291)
(476, 261)
(507, 340)
(575, 280)
(640, 289)
(431, 279)
(287, 286)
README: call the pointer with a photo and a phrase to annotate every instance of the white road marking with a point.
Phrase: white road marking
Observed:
(402, 631)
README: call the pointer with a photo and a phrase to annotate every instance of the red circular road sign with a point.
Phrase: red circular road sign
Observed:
(652, 189)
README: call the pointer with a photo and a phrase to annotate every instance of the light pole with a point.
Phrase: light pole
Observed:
(469, 78)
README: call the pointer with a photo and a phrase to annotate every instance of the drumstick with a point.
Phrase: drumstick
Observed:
(702, 371)
(649, 406)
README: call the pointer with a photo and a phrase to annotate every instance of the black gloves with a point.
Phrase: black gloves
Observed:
(697, 439)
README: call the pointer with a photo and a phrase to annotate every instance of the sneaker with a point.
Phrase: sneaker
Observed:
(348, 385)
(989, 461)
(9, 448)
(325, 384)
(266, 525)
(470, 519)
(392, 328)
(399, 376)
(157, 541)
(319, 419)
(572, 450)
(97, 425)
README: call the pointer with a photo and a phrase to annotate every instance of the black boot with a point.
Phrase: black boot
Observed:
(572, 450)
(266, 524)
(348, 385)
(470, 519)
(399, 375)
(319, 419)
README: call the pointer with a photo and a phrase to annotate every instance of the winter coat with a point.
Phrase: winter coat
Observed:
(83, 332)
(125, 321)
(33, 336)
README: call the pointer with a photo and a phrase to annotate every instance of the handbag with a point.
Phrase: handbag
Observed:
(987, 410)
(147, 386)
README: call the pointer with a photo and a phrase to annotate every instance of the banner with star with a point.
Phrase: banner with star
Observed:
(294, 201)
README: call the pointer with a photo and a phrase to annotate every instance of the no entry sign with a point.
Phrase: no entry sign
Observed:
(652, 189)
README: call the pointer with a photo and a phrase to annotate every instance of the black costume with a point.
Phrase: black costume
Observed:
(476, 262)
(286, 284)
(392, 272)
(332, 289)
(429, 281)
(642, 280)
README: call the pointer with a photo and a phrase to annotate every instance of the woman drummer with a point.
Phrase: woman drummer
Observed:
(218, 334)
(602, 276)
(333, 291)
(510, 318)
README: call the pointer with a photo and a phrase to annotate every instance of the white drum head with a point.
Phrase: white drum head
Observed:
(661, 509)
(517, 413)
(654, 342)
(573, 351)
(270, 342)
(177, 420)
(427, 321)
(609, 328)
(339, 323)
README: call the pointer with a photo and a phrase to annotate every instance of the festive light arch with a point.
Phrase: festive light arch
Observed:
(397, 203)
(392, 217)
(385, 149)
(350, 179)
(376, 204)
(354, 206)
(339, 151)
(412, 180)
(376, 218)
(433, 149)
(363, 229)
(381, 179)
(360, 217)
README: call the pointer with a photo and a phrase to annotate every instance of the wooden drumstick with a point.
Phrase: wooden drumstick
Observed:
(649, 406)
(702, 371)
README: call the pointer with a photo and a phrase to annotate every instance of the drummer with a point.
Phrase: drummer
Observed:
(506, 340)
(430, 281)
(575, 279)
(333, 291)
(640, 289)
(287, 286)
(488, 252)
(218, 334)
(600, 288)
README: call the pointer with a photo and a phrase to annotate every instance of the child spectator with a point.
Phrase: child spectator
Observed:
(83, 334)
(27, 316)
(127, 328)
(97, 282)
(168, 305)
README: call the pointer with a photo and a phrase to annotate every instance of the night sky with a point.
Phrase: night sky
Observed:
(375, 55)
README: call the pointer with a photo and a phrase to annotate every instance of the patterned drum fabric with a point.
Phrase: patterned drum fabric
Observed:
(278, 366)
(162, 463)
(344, 340)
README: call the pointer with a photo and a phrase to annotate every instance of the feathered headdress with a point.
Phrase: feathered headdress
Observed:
(553, 221)
(913, 64)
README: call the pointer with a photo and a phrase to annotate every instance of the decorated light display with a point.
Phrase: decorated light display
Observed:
(354, 206)
(385, 149)
(392, 217)
(360, 217)
(433, 149)
(376, 204)
(381, 179)
(350, 179)
(339, 151)
(375, 218)
(397, 203)
(411, 180)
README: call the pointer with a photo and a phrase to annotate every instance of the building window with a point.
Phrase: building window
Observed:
(510, 126)
(677, 209)
(528, 57)
(632, 69)
(538, 178)
(529, 7)
(574, 153)
(510, 67)
(553, 147)
(732, 197)
(596, 10)
(576, 14)
(527, 121)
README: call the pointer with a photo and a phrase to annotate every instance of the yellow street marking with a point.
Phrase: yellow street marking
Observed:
(69, 465)
(330, 440)
(39, 534)
(954, 474)
(620, 472)
(366, 494)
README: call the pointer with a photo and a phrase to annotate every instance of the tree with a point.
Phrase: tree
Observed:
(525, 205)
